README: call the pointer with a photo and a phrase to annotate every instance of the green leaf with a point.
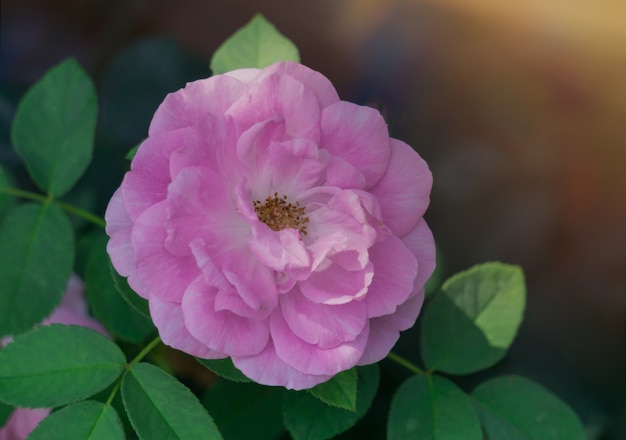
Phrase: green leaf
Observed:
(54, 126)
(340, 391)
(224, 368)
(257, 44)
(36, 258)
(160, 407)
(130, 296)
(472, 321)
(131, 153)
(57, 364)
(432, 408)
(84, 420)
(5, 413)
(107, 304)
(239, 409)
(308, 418)
(4, 184)
(515, 408)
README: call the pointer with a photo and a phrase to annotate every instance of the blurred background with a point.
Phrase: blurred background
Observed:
(519, 107)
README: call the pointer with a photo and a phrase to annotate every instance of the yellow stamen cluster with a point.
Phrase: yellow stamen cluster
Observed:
(279, 214)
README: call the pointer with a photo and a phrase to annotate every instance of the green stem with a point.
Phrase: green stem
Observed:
(405, 363)
(147, 349)
(142, 354)
(99, 221)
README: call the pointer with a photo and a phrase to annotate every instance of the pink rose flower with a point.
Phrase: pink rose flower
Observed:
(268, 221)
(72, 310)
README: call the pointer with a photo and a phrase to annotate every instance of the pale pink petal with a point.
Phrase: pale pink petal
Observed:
(267, 368)
(407, 313)
(281, 251)
(146, 183)
(163, 274)
(323, 89)
(245, 75)
(200, 207)
(358, 135)
(404, 190)
(323, 325)
(21, 422)
(382, 337)
(118, 228)
(343, 174)
(310, 358)
(336, 285)
(395, 268)
(421, 242)
(169, 319)
(282, 97)
(222, 331)
(188, 106)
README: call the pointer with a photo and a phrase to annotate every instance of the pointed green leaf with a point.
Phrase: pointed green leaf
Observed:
(224, 368)
(239, 409)
(257, 44)
(57, 364)
(4, 183)
(160, 407)
(87, 420)
(515, 408)
(432, 408)
(472, 321)
(36, 258)
(107, 304)
(340, 391)
(54, 126)
(308, 418)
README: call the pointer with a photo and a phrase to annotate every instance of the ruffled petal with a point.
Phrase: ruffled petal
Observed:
(188, 106)
(309, 358)
(395, 269)
(421, 242)
(336, 285)
(358, 135)
(267, 368)
(383, 336)
(323, 325)
(163, 274)
(282, 97)
(323, 89)
(169, 319)
(221, 331)
(404, 190)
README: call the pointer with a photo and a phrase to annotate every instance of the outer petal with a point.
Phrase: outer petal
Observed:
(395, 268)
(383, 336)
(146, 183)
(323, 325)
(222, 331)
(188, 106)
(404, 190)
(169, 319)
(163, 274)
(407, 313)
(358, 135)
(310, 358)
(268, 369)
(283, 97)
(421, 242)
(314, 81)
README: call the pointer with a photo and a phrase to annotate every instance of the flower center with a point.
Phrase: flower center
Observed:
(279, 214)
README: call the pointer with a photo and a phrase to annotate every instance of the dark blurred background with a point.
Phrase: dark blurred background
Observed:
(519, 107)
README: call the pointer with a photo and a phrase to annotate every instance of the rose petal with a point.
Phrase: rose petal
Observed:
(395, 268)
(22, 422)
(404, 190)
(169, 319)
(422, 244)
(336, 285)
(358, 135)
(222, 331)
(163, 274)
(382, 337)
(267, 368)
(323, 325)
(310, 358)
(188, 106)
